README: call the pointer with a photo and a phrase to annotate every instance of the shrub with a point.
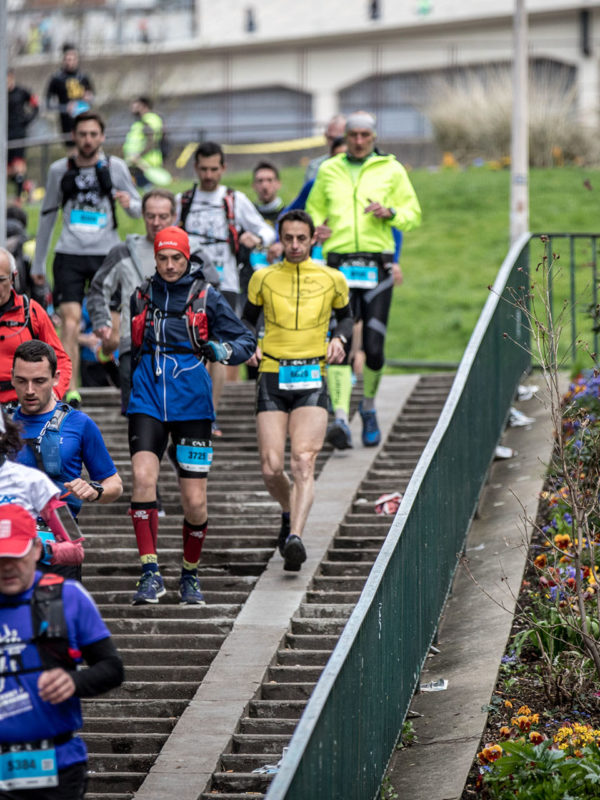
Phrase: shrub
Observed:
(471, 118)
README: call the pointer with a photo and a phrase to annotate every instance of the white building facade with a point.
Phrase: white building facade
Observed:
(254, 70)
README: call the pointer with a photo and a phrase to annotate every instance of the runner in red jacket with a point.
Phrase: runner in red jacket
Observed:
(22, 319)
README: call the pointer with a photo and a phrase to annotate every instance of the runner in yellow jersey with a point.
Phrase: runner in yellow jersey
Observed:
(297, 296)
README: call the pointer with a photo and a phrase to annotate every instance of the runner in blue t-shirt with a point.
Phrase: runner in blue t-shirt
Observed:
(60, 439)
(39, 687)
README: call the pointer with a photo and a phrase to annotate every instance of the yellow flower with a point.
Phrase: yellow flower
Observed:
(562, 541)
(490, 753)
(508, 704)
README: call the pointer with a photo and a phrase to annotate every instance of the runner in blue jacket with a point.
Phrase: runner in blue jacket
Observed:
(178, 321)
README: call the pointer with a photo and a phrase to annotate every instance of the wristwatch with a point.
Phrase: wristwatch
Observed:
(341, 337)
(229, 351)
(99, 488)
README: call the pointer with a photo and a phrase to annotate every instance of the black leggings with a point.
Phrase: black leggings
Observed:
(372, 306)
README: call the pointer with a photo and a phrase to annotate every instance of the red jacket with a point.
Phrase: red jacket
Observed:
(17, 326)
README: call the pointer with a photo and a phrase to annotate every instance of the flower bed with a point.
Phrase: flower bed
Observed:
(542, 738)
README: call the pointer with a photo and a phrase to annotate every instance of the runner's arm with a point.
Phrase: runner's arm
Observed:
(83, 490)
(45, 332)
(316, 202)
(51, 93)
(226, 327)
(105, 670)
(404, 201)
(34, 107)
(121, 178)
(345, 322)
(100, 466)
(250, 315)
(105, 282)
(251, 220)
(48, 213)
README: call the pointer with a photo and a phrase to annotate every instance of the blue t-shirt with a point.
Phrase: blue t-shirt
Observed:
(80, 442)
(24, 716)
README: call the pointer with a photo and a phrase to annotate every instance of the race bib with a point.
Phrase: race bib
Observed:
(24, 767)
(194, 455)
(360, 276)
(299, 374)
(87, 221)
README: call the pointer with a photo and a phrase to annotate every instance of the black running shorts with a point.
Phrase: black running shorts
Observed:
(190, 450)
(269, 397)
(72, 276)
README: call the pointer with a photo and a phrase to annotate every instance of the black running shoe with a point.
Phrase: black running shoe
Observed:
(284, 532)
(294, 554)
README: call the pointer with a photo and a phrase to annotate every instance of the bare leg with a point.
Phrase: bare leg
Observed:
(70, 314)
(217, 372)
(145, 467)
(307, 432)
(193, 499)
(271, 427)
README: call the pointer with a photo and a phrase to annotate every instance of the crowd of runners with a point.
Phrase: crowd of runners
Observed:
(300, 295)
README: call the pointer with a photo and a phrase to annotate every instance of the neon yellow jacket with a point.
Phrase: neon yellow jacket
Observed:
(334, 197)
(136, 141)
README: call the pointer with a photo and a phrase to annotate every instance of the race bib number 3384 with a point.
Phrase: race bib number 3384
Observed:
(22, 768)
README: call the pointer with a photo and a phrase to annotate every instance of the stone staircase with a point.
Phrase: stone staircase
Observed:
(271, 716)
(168, 648)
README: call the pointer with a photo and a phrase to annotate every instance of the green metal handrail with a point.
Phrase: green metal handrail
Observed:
(352, 721)
(576, 264)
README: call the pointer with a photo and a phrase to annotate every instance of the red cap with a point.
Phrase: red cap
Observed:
(172, 238)
(17, 531)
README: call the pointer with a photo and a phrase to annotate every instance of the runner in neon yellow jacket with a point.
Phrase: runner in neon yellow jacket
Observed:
(142, 145)
(356, 200)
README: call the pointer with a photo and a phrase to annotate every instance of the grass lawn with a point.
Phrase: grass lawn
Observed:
(454, 256)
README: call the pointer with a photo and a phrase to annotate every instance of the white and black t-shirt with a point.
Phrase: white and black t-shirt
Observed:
(25, 486)
(207, 225)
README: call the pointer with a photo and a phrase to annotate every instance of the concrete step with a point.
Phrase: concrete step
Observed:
(153, 690)
(157, 627)
(123, 743)
(169, 608)
(239, 782)
(259, 743)
(132, 707)
(256, 726)
(268, 708)
(287, 691)
(103, 782)
(294, 673)
(150, 643)
(303, 657)
(144, 725)
(134, 657)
